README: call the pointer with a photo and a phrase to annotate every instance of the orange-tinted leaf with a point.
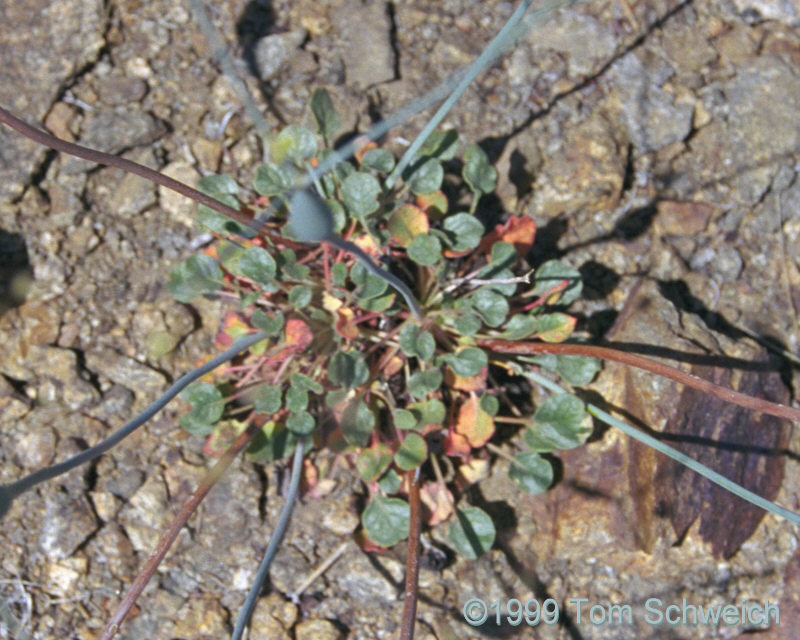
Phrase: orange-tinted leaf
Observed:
(359, 154)
(439, 502)
(517, 230)
(406, 222)
(472, 383)
(456, 445)
(298, 334)
(434, 204)
(233, 326)
(393, 366)
(344, 323)
(474, 423)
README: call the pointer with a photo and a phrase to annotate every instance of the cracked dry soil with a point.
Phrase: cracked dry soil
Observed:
(656, 145)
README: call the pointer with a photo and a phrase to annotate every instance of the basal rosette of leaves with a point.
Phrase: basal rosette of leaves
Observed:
(346, 363)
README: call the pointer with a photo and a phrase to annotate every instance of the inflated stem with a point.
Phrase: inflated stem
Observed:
(311, 220)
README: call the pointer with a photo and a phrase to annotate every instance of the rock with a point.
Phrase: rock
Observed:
(45, 42)
(68, 522)
(316, 629)
(272, 618)
(181, 208)
(146, 515)
(137, 377)
(653, 117)
(364, 32)
(273, 53)
(114, 130)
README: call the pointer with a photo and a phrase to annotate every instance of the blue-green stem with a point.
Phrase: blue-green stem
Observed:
(274, 542)
(676, 455)
(11, 491)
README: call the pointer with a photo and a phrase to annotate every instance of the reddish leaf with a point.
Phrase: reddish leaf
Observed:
(517, 230)
(456, 445)
(474, 423)
(233, 326)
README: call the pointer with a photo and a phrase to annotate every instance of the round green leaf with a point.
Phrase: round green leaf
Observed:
(520, 326)
(430, 411)
(216, 185)
(296, 399)
(196, 276)
(404, 419)
(390, 482)
(267, 398)
(478, 173)
(491, 306)
(472, 533)
(425, 178)
(561, 422)
(425, 249)
(577, 370)
(324, 113)
(207, 406)
(373, 461)
(386, 520)
(348, 369)
(468, 361)
(531, 472)
(310, 219)
(550, 274)
(302, 381)
(256, 264)
(463, 231)
(423, 382)
(360, 193)
(357, 423)
(300, 296)
(415, 343)
(301, 424)
(378, 159)
(441, 144)
(272, 180)
(294, 143)
(467, 323)
(271, 325)
(272, 442)
(411, 453)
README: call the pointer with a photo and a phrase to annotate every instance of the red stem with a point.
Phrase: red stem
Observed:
(98, 157)
(206, 484)
(412, 558)
(640, 362)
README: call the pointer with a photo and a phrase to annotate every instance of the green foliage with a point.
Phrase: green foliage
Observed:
(343, 352)
(472, 533)
(386, 520)
(196, 276)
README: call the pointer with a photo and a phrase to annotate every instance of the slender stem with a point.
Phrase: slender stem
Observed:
(11, 491)
(37, 135)
(640, 362)
(412, 558)
(673, 453)
(274, 543)
(393, 280)
(206, 484)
